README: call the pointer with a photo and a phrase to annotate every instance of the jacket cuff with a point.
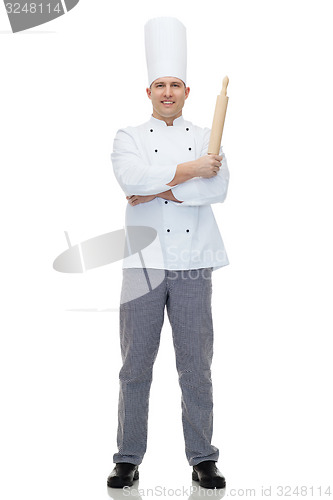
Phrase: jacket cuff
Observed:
(187, 192)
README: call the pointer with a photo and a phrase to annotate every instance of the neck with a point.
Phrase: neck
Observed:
(168, 120)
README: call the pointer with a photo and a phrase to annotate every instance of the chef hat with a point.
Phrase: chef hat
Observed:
(166, 52)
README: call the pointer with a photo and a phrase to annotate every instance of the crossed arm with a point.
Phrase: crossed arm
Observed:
(135, 199)
(199, 182)
(206, 166)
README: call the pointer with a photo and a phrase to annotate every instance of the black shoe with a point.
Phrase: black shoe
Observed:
(208, 475)
(122, 475)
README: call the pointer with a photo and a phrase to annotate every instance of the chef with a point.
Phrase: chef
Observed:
(169, 182)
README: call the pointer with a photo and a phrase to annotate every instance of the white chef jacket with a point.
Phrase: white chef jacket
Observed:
(145, 159)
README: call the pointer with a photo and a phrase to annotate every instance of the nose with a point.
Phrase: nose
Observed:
(168, 91)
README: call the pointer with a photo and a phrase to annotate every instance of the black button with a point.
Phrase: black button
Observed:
(155, 150)
(151, 130)
(187, 230)
(189, 149)
(165, 202)
(168, 230)
(187, 129)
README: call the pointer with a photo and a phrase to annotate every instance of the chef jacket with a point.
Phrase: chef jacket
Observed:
(145, 160)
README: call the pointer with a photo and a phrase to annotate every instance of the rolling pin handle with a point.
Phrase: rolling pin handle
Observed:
(224, 85)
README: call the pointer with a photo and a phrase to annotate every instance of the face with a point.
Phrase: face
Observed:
(168, 96)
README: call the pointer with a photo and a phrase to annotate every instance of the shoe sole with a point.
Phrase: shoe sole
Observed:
(115, 482)
(214, 483)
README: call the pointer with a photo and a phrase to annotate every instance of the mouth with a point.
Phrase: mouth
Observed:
(167, 103)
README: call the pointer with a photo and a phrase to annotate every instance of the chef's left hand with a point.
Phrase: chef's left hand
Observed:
(135, 199)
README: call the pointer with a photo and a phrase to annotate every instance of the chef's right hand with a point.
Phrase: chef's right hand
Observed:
(207, 166)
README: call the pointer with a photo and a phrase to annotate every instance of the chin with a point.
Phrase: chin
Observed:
(170, 112)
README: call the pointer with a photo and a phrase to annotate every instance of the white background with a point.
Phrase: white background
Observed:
(66, 87)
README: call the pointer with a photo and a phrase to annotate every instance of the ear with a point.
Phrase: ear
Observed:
(187, 91)
(148, 90)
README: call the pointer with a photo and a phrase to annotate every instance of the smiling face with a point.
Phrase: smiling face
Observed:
(168, 96)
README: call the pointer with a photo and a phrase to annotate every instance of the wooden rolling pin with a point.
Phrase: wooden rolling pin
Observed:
(218, 120)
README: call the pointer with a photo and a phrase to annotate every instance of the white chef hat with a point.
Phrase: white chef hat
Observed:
(166, 51)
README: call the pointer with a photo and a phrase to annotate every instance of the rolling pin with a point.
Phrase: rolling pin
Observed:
(218, 120)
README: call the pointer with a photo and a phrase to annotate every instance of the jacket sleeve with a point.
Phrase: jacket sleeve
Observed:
(134, 175)
(201, 191)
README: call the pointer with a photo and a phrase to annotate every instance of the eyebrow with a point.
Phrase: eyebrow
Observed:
(158, 83)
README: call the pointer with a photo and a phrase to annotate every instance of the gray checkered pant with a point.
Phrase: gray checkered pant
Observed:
(187, 297)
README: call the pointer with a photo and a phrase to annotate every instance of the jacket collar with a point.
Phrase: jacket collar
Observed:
(161, 123)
